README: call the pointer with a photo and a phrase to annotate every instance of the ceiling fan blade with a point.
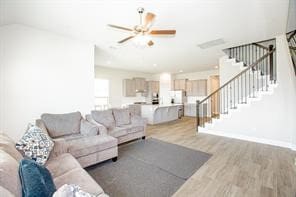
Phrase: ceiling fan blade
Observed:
(162, 32)
(126, 39)
(148, 20)
(119, 27)
(150, 43)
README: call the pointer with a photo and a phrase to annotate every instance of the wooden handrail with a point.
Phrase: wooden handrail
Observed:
(239, 74)
(261, 46)
(254, 43)
(291, 36)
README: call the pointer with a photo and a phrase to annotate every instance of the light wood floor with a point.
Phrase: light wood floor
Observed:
(237, 168)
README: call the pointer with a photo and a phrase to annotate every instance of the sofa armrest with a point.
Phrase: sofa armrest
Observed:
(60, 147)
(88, 128)
(102, 129)
(138, 120)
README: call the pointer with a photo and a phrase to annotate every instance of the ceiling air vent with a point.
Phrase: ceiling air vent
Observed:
(211, 43)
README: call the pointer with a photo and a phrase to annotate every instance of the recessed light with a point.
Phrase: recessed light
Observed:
(180, 71)
(216, 67)
(154, 65)
(108, 62)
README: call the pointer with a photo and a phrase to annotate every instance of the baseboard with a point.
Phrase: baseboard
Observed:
(252, 139)
(293, 147)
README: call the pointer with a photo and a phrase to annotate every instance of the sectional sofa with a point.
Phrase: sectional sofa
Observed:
(78, 143)
(64, 168)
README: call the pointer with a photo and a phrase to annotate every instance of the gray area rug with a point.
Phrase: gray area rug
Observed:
(148, 168)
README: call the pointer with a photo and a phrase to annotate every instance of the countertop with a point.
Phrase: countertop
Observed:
(163, 105)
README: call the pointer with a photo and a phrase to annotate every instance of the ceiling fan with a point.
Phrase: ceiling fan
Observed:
(143, 29)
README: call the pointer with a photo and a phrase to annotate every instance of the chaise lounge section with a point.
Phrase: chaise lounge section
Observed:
(82, 139)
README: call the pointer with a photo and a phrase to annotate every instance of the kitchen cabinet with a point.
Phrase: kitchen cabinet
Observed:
(202, 87)
(196, 87)
(153, 87)
(129, 88)
(179, 84)
(140, 84)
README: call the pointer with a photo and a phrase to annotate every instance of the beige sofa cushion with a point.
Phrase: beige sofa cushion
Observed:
(133, 128)
(62, 124)
(7, 145)
(79, 177)
(68, 163)
(5, 192)
(121, 116)
(88, 145)
(9, 177)
(117, 132)
(104, 117)
(88, 129)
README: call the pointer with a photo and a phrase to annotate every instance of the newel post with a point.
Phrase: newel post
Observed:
(271, 67)
(197, 115)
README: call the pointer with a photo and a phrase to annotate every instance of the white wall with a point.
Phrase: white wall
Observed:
(272, 119)
(228, 68)
(196, 76)
(42, 72)
(291, 22)
(165, 82)
(115, 77)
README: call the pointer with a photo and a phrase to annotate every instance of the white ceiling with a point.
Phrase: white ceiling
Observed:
(196, 22)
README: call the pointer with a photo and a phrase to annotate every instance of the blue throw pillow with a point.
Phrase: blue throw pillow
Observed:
(36, 180)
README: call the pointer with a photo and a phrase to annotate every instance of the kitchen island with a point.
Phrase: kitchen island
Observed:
(156, 114)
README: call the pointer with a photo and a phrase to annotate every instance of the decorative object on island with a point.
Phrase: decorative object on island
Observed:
(141, 32)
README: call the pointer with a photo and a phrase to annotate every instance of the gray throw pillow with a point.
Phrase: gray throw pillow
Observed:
(62, 124)
(104, 117)
(88, 129)
(121, 116)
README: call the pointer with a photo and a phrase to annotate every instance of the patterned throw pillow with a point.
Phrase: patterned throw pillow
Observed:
(72, 191)
(35, 144)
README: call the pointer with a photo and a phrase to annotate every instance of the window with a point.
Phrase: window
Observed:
(101, 94)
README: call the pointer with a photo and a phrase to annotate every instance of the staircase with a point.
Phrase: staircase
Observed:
(291, 37)
(258, 76)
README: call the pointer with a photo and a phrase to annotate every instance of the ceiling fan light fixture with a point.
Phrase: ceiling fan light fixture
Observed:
(140, 31)
(141, 40)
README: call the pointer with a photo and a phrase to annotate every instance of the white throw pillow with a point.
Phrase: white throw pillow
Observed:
(71, 191)
(35, 144)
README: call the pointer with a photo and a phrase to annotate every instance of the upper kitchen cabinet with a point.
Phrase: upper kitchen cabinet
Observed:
(140, 84)
(202, 87)
(154, 86)
(179, 84)
(196, 87)
(129, 87)
(190, 87)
